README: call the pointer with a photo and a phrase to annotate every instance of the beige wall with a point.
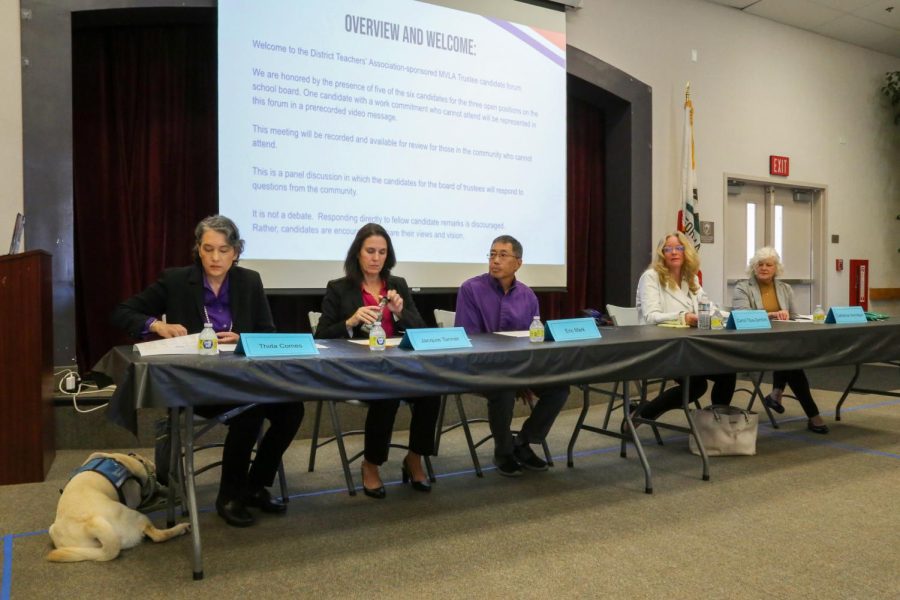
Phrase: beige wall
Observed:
(10, 120)
(760, 88)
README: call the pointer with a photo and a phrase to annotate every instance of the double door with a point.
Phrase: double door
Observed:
(789, 219)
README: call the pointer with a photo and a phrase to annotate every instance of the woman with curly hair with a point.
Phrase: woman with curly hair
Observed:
(669, 292)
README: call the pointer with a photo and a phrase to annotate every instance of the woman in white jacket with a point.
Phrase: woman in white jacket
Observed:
(669, 292)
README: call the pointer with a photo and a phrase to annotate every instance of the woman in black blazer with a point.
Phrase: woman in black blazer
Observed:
(215, 290)
(351, 302)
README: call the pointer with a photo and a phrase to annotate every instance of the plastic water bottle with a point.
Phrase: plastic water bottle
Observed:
(208, 344)
(717, 320)
(376, 337)
(703, 321)
(536, 330)
(818, 315)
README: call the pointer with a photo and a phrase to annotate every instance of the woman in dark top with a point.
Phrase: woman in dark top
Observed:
(352, 302)
(215, 290)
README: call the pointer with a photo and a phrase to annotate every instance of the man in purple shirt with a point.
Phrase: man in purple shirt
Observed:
(497, 301)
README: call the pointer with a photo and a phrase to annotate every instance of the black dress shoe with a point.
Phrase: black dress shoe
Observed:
(263, 500)
(235, 513)
(378, 493)
(822, 429)
(770, 402)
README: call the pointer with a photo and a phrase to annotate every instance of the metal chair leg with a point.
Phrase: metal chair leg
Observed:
(440, 424)
(314, 445)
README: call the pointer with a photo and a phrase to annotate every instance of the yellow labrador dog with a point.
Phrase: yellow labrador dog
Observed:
(95, 518)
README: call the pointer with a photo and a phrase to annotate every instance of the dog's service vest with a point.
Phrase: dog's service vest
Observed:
(110, 468)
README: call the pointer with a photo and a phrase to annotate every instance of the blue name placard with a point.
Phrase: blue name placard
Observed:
(845, 314)
(569, 330)
(257, 345)
(435, 338)
(748, 319)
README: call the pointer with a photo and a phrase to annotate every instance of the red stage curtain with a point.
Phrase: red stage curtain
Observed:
(585, 223)
(144, 148)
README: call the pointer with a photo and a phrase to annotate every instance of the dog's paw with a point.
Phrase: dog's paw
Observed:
(185, 528)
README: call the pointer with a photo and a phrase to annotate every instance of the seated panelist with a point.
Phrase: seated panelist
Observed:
(215, 290)
(764, 291)
(352, 302)
(498, 301)
(669, 291)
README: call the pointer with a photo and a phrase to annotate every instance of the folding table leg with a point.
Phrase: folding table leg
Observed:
(339, 439)
(585, 394)
(461, 411)
(837, 410)
(645, 464)
(686, 405)
(191, 490)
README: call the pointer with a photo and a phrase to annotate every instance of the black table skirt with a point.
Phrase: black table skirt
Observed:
(345, 370)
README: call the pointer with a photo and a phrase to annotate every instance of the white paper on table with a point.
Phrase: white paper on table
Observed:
(227, 347)
(388, 342)
(185, 344)
(524, 333)
(802, 318)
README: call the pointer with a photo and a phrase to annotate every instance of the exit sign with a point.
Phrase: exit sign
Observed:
(779, 165)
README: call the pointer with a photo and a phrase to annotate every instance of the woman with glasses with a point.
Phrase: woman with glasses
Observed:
(762, 291)
(669, 292)
(217, 291)
(351, 304)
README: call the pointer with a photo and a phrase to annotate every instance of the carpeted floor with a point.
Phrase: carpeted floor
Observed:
(808, 517)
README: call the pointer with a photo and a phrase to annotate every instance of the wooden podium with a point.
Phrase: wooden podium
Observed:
(27, 440)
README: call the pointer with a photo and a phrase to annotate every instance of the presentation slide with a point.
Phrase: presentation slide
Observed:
(446, 127)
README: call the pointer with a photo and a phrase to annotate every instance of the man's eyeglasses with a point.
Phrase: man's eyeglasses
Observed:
(501, 255)
(671, 249)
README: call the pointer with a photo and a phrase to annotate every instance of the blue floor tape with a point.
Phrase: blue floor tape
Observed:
(6, 576)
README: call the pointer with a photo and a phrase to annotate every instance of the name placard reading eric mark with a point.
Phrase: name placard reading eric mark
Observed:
(569, 330)
(258, 345)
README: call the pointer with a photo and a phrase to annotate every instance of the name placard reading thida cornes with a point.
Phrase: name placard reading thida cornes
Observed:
(845, 314)
(435, 338)
(570, 330)
(748, 319)
(258, 345)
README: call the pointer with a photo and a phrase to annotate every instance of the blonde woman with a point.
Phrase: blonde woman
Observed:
(669, 291)
(763, 291)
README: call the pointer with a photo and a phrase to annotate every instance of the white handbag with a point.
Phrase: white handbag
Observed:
(725, 430)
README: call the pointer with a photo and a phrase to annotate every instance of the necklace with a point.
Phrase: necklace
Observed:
(206, 314)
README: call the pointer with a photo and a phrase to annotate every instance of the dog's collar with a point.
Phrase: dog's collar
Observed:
(113, 470)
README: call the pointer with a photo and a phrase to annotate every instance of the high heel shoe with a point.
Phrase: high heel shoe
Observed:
(776, 406)
(419, 486)
(820, 429)
(378, 493)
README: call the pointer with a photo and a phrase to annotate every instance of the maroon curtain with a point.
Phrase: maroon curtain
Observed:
(144, 155)
(584, 223)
